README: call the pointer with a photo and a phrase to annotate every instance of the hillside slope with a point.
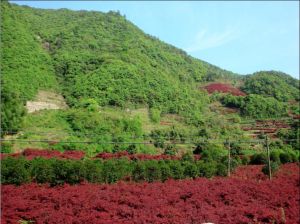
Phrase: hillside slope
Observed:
(117, 81)
(105, 57)
(98, 55)
(272, 83)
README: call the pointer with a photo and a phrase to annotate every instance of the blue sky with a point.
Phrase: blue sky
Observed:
(241, 36)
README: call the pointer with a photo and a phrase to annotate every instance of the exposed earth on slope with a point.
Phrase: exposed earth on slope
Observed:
(46, 100)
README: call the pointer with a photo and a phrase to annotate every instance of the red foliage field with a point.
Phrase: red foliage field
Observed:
(47, 154)
(76, 154)
(135, 156)
(250, 172)
(224, 88)
(220, 200)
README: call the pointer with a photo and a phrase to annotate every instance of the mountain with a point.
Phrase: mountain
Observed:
(99, 55)
(118, 81)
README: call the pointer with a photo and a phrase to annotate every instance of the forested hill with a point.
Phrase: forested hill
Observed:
(98, 55)
(98, 60)
(272, 84)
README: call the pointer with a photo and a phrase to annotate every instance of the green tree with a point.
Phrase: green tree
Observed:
(41, 170)
(155, 115)
(14, 171)
(12, 111)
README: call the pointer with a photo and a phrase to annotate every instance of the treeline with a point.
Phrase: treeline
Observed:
(276, 156)
(53, 171)
(58, 171)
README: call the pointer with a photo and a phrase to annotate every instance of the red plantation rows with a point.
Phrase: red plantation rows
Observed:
(297, 116)
(250, 172)
(224, 88)
(259, 128)
(76, 154)
(135, 156)
(220, 200)
(271, 123)
(269, 127)
(32, 153)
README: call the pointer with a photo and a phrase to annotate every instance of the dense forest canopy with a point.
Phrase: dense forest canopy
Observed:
(257, 106)
(272, 84)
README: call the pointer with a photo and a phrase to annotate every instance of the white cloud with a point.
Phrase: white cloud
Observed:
(204, 39)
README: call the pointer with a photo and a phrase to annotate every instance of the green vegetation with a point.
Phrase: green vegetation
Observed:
(25, 67)
(6, 147)
(15, 171)
(291, 135)
(12, 111)
(121, 85)
(55, 171)
(155, 115)
(115, 125)
(83, 125)
(274, 168)
(272, 84)
(113, 63)
(141, 70)
(295, 108)
(256, 106)
(278, 156)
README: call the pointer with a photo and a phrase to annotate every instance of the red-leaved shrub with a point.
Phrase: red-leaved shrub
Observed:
(224, 88)
(47, 154)
(219, 200)
(135, 156)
